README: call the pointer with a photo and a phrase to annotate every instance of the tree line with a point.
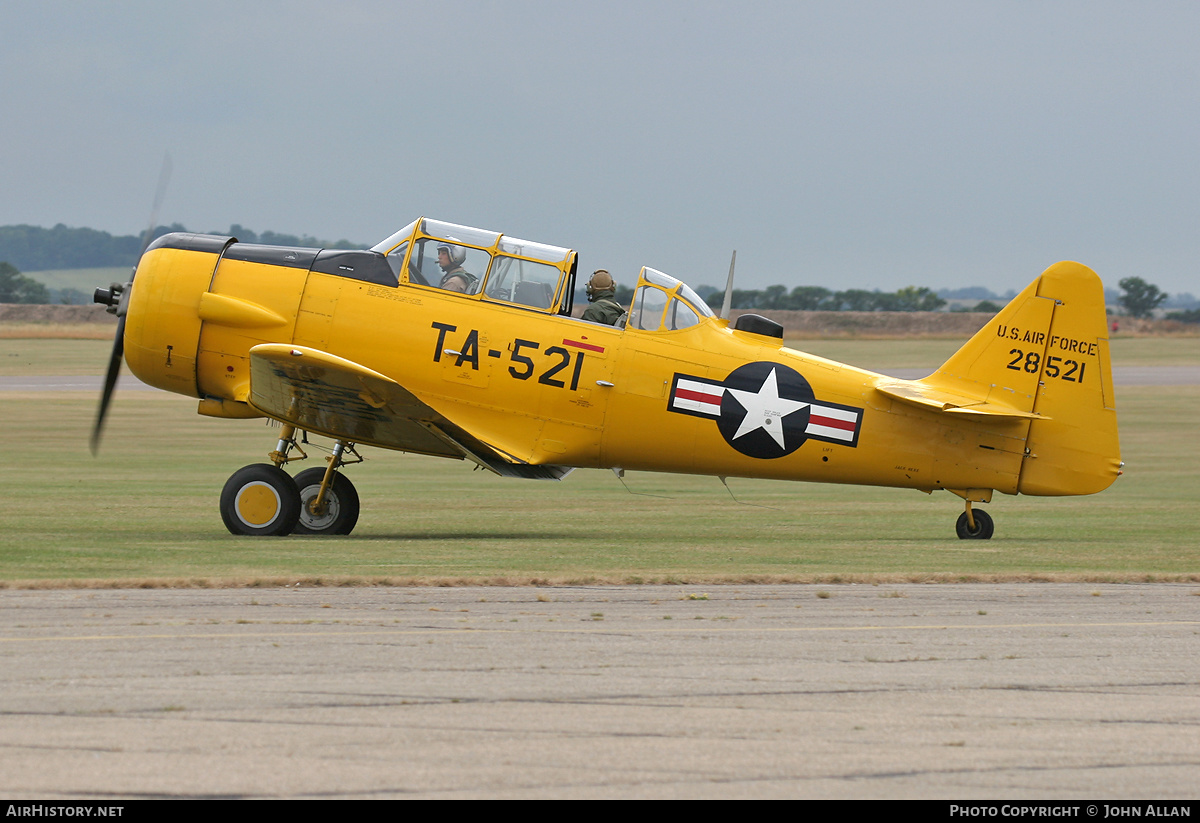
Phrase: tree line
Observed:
(1138, 298)
(818, 298)
(33, 248)
(17, 288)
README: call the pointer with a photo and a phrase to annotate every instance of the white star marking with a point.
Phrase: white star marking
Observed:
(765, 409)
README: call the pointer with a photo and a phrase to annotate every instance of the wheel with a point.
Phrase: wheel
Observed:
(983, 526)
(260, 500)
(341, 504)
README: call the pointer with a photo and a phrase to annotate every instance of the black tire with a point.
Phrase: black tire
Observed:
(983, 526)
(341, 504)
(260, 500)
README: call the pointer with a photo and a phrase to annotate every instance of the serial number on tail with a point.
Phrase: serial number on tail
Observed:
(1056, 367)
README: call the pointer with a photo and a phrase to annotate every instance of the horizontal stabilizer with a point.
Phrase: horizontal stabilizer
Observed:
(917, 393)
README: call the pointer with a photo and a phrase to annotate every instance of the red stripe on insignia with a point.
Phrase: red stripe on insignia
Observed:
(588, 346)
(832, 422)
(700, 397)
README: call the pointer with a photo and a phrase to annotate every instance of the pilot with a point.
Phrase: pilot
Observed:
(601, 291)
(454, 276)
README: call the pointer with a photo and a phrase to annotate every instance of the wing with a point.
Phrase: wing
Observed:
(341, 399)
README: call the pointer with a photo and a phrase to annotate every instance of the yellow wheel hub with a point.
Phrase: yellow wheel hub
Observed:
(257, 504)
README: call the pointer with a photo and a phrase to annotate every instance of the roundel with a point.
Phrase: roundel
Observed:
(765, 410)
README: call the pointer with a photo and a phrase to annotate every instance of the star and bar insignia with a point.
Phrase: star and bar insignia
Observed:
(765, 410)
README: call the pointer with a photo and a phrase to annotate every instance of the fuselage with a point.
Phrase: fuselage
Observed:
(699, 398)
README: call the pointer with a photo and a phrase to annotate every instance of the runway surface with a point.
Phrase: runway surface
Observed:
(1000, 691)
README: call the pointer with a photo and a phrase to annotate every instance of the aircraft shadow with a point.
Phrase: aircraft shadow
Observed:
(452, 535)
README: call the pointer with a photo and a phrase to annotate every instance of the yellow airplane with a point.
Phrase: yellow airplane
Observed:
(457, 342)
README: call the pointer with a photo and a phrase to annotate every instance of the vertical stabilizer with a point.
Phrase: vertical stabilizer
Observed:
(1046, 353)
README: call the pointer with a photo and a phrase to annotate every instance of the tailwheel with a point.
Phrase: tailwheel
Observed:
(337, 513)
(260, 500)
(980, 529)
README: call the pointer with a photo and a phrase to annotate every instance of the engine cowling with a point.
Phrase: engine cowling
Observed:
(162, 321)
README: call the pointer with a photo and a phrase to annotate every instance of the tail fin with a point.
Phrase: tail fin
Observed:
(1045, 356)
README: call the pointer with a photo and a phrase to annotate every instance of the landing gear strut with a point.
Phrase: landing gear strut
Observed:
(262, 499)
(328, 500)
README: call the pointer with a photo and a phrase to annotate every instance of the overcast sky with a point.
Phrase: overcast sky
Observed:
(846, 144)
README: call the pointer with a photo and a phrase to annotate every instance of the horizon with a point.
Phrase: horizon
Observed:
(949, 293)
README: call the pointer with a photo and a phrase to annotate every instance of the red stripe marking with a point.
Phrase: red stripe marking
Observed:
(832, 422)
(579, 345)
(688, 394)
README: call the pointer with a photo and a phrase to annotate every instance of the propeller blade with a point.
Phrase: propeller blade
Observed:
(110, 383)
(163, 177)
(116, 298)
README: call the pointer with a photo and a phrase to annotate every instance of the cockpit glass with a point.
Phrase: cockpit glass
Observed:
(659, 279)
(463, 234)
(647, 310)
(395, 259)
(396, 239)
(538, 251)
(671, 284)
(514, 280)
(469, 261)
(695, 300)
(459, 258)
(679, 315)
(447, 265)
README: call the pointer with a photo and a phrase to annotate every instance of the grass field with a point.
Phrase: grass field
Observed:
(82, 279)
(145, 513)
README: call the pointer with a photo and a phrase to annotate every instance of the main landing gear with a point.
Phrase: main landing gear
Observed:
(263, 499)
(974, 524)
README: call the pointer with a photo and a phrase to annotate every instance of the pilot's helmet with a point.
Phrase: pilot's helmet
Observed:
(600, 281)
(457, 254)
